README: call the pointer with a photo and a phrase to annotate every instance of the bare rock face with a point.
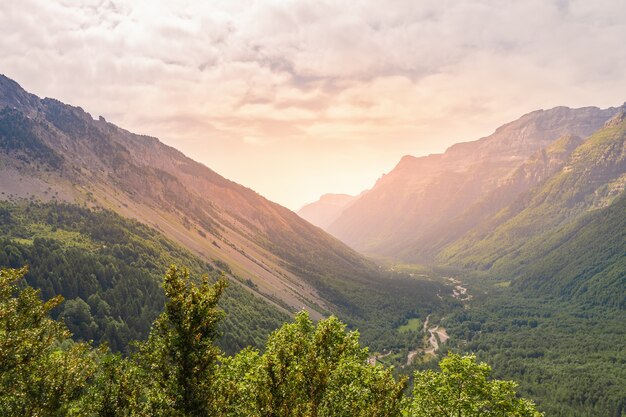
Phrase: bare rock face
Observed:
(422, 198)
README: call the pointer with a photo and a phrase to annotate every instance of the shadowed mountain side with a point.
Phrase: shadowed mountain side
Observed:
(531, 173)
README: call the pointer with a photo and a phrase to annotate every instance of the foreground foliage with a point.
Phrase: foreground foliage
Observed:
(463, 388)
(306, 369)
(39, 375)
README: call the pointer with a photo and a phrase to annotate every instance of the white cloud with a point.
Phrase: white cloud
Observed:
(397, 77)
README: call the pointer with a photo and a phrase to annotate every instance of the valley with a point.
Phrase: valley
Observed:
(525, 307)
(312, 209)
(428, 336)
(437, 335)
(511, 248)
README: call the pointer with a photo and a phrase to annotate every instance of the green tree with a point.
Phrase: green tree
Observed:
(118, 390)
(241, 385)
(463, 388)
(180, 354)
(307, 370)
(42, 372)
(321, 370)
(360, 390)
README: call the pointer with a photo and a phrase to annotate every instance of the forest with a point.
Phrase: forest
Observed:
(565, 353)
(568, 357)
(306, 369)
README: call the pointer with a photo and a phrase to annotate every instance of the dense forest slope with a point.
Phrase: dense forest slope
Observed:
(307, 369)
(420, 198)
(51, 151)
(555, 319)
(585, 261)
(566, 356)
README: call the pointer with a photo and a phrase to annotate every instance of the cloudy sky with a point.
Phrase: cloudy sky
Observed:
(297, 98)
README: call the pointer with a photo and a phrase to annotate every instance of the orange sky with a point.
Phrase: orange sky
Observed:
(297, 98)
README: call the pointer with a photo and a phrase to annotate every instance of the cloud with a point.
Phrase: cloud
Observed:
(395, 77)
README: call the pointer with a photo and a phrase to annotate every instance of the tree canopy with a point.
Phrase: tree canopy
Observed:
(307, 369)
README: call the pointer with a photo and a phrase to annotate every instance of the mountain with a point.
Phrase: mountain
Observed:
(409, 208)
(566, 236)
(51, 151)
(326, 210)
(553, 316)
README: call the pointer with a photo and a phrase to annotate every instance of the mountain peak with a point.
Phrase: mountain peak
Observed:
(417, 202)
(6, 82)
(13, 95)
(326, 210)
(618, 118)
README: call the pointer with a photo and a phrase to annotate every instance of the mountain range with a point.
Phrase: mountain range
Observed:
(427, 202)
(530, 219)
(533, 219)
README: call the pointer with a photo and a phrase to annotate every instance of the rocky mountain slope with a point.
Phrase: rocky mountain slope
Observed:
(540, 166)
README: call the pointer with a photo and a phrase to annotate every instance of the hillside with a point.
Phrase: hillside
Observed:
(552, 317)
(531, 173)
(55, 152)
(543, 254)
(109, 269)
(409, 207)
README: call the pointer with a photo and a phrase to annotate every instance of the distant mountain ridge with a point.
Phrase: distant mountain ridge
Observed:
(550, 221)
(325, 211)
(567, 234)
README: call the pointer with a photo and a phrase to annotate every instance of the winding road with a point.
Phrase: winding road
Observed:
(437, 333)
